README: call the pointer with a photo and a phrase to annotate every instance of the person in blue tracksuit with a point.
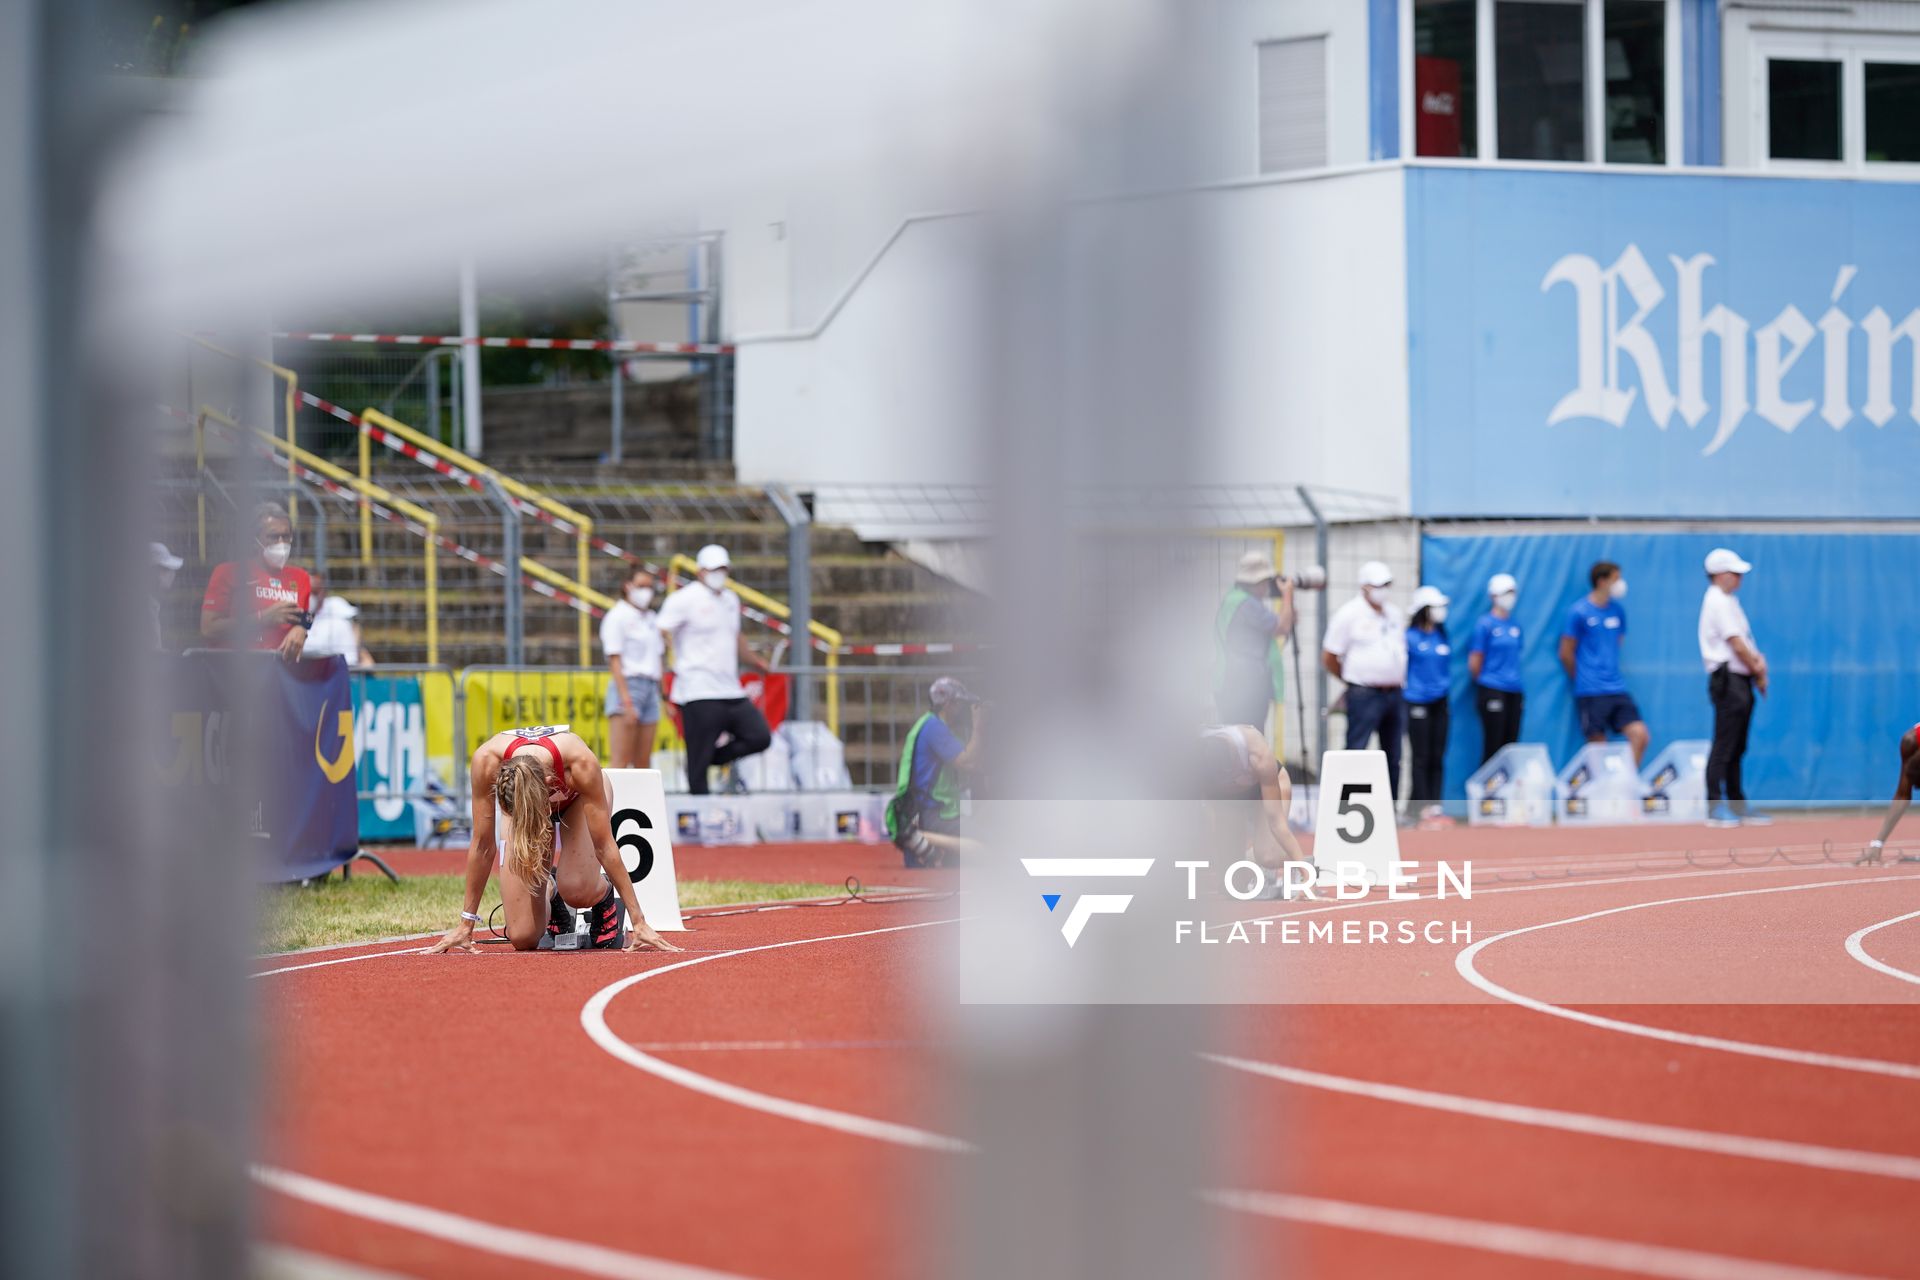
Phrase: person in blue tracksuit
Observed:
(1590, 651)
(1429, 673)
(1494, 660)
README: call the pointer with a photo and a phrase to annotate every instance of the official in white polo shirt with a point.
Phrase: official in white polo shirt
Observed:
(702, 622)
(1735, 669)
(1366, 646)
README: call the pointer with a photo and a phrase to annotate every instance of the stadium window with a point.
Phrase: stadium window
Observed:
(1539, 72)
(1804, 107)
(1635, 62)
(1556, 80)
(1892, 108)
(1445, 78)
(1293, 104)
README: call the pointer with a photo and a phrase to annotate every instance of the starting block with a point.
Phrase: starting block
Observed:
(581, 939)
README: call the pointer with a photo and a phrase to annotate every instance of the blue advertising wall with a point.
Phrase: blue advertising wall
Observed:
(1835, 615)
(297, 719)
(1566, 358)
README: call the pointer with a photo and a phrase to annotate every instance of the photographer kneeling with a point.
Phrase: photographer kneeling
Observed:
(924, 815)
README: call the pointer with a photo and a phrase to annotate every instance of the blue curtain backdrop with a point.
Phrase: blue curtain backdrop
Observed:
(1837, 615)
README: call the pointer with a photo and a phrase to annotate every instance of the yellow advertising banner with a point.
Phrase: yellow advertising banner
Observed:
(502, 700)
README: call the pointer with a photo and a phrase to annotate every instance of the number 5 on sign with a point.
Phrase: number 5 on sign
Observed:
(1355, 821)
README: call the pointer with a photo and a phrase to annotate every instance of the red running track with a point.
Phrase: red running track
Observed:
(1752, 1113)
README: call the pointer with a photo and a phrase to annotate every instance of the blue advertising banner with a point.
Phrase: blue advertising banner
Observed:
(296, 724)
(1830, 612)
(1643, 345)
(390, 741)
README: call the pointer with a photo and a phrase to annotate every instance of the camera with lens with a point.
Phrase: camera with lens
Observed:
(1312, 578)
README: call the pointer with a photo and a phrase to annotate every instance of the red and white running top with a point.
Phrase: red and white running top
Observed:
(562, 796)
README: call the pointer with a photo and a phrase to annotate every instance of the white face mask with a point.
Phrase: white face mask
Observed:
(166, 579)
(1619, 589)
(1374, 595)
(640, 597)
(1505, 600)
(1438, 613)
(716, 579)
(276, 553)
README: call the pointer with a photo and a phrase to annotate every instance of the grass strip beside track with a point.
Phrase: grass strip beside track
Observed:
(368, 907)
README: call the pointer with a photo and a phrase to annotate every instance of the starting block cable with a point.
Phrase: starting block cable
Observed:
(855, 892)
(1749, 857)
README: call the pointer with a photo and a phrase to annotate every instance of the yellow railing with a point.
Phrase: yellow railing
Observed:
(292, 381)
(582, 524)
(298, 457)
(580, 590)
(683, 565)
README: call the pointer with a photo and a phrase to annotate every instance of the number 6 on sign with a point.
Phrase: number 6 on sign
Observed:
(1355, 822)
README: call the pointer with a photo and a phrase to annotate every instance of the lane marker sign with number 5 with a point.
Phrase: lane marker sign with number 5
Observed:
(1355, 822)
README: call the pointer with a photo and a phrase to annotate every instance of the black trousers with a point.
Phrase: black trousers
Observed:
(1732, 695)
(1499, 718)
(1382, 711)
(1427, 738)
(702, 723)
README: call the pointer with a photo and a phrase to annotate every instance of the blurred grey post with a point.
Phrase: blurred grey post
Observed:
(1321, 688)
(799, 592)
(121, 1047)
(513, 614)
(472, 440)
(1091, 1116)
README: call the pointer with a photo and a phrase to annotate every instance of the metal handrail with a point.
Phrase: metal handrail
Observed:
(365, 488)
(292, 380)
(581, 523)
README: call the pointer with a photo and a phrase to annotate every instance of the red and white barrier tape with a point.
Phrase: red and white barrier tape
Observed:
(348, 494)
(442, 466)
(407, 449)
(520, 344)
(907, 650)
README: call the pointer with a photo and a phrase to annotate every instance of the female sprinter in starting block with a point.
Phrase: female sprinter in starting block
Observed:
(557, 853)
(1237, 765)
(1902, 793)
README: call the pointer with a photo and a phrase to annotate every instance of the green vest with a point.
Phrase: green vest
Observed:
(1222, 622)
(946, 784)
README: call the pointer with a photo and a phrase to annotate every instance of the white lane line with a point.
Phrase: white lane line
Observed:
(1804, 1154)
(1856, 947)
(486, 1237)
(1514, 1241)
(321, 964)
(1464, 965)
(737, 1046)
(1381, 900)
(593, 1017)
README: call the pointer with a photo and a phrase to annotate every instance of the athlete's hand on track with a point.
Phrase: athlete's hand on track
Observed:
(645, 939)
(458, 937)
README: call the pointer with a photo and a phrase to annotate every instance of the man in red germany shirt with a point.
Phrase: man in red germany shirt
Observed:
(270, 607)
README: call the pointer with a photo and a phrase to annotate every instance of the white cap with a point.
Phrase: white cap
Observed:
(163, 558)
(712, 556)
(1721, 560)
(338, 607)
(1500, 583)
(1374, 573)
(1427, 597)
